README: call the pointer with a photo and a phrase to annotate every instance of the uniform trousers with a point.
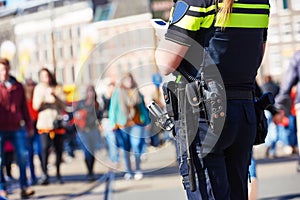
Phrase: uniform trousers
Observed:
(222, 173)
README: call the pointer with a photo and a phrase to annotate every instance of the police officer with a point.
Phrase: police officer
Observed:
(236, 46)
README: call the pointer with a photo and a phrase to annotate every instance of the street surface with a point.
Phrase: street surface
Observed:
(277, 179)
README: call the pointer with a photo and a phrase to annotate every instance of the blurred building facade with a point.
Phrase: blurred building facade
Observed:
(50, 33)
(283, 37)
(81, 41)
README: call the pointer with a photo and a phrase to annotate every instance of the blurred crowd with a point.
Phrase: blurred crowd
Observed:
(37, 120)
(282, 128)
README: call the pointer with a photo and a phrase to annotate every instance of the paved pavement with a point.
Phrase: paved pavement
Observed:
(278, 179)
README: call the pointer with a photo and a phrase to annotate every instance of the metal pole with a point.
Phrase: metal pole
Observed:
(51, 3)
(53, 52)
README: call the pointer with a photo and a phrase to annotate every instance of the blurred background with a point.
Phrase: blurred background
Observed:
(94, 41)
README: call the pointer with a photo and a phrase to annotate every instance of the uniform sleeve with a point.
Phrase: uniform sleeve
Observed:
(180, 30)
(186, 18)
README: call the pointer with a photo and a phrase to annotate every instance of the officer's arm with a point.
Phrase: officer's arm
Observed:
(169, 55)
(181, 29)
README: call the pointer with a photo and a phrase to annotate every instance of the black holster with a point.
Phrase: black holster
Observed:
(170, 98)
(261, 104)
(207, 98)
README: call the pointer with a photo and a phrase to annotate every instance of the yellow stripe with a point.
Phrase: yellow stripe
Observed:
(178, 79)
(208, 21)
(249, 6)
(239, 20)
(200, 9)
(193, 23)
(190, 23)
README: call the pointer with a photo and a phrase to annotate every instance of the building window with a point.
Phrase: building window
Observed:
(73, 73)
(58, 35)
(59, 74)
(296, 24)
(71, 51)
(286, 30)
(45, 55)
(104, 12)
(59, 53)
(275, 60)
(78, 32)
(285, 4)
(70, 33)
(37, 56)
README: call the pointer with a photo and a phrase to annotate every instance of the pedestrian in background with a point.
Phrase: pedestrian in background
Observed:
(128, 114)
(275, 131)
(290, 79)
(86, 115)
(48, 99)
(15, 125)
(34, 143)
(111, 140)
(270, 86)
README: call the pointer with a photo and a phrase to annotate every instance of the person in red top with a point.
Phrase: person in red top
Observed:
(15, 125)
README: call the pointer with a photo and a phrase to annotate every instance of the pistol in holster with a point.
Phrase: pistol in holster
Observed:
(171, 100)
(207, 97)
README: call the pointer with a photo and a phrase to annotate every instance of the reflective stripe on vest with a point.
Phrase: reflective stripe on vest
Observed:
(246, 16)
(194, 22)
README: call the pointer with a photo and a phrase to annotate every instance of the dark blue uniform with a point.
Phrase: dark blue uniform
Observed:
(236, 49)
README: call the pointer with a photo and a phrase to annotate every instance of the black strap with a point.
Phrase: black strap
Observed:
(216, 10)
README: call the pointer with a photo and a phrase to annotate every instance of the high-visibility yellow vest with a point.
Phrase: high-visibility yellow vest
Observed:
(246, 15)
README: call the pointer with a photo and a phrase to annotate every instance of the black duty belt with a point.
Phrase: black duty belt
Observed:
(239, 94)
